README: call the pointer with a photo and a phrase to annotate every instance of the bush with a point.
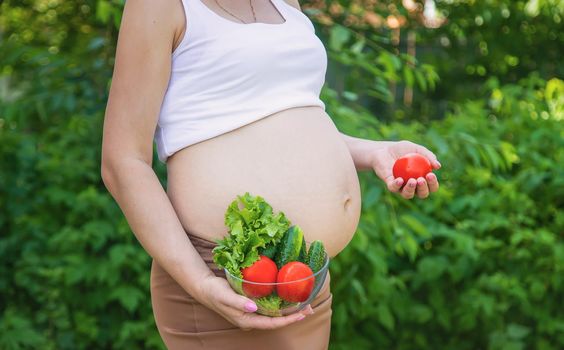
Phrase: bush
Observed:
(72, 274)
(480, 265)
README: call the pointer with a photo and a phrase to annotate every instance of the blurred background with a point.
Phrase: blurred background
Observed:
(479, 265)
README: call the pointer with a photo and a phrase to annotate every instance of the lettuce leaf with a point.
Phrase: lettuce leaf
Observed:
(270, 304)
(252, 225)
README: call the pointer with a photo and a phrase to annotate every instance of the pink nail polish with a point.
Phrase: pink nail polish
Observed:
(250, 306)
(301, 317)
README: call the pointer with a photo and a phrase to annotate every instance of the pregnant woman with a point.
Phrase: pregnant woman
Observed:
(229, 91)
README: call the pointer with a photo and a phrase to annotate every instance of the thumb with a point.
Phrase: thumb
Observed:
(247, 305)
(239, 302)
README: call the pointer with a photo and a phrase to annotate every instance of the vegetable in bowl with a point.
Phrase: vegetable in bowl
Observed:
(294, 289)
(265, 257)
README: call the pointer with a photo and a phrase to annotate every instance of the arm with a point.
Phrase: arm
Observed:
(140, 78)
(362, 151)
(380, 156)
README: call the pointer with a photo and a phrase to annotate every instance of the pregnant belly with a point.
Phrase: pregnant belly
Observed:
(295, 159)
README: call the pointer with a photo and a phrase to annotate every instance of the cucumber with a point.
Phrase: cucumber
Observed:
(316, 256)
(269, 251)
(303, 252)
(289, 247)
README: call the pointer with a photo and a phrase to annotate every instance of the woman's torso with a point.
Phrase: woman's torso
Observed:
(295, 159)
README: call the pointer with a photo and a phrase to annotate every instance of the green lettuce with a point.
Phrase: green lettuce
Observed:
(252, 225)
(270, 304)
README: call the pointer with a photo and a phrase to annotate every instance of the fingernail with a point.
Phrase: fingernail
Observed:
(250, 306)
(439, 163)
(301, 317)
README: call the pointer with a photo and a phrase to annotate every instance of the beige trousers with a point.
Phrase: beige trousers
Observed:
(184, 323)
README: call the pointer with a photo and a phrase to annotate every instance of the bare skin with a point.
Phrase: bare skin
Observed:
(321, 165)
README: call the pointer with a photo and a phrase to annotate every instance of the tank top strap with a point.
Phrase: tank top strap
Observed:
(195, 25)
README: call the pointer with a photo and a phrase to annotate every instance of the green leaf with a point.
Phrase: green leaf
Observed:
(339, 35)
(411, 247)
(128, 296)
(270, 304)
(517, 331)
(408, 76)
(415, 225)
(358, 46)
(385, 317)
(103, 10)
(421, 81)
(357, 286)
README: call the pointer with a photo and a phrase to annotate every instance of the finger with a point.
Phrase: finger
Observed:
(433, 182)
(409, 189)
(422, 188)
(429, 155)
(238, 302)
(308, 310)
(255, 321)
(394, 185)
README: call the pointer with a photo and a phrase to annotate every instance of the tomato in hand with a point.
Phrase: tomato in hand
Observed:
(411, 166)
(263, 270)
(297, 291)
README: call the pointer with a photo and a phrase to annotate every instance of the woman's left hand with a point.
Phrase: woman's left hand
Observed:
(383, 160)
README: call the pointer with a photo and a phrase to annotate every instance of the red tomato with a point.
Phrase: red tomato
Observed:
(411, 166)
(264, 270)
(298, 291)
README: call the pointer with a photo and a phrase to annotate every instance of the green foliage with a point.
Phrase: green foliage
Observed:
(508, 39)
(371, 65)
(480, 265)
(69, 264)
(72, 275)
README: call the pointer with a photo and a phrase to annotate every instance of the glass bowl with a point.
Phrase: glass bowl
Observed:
(274, 305)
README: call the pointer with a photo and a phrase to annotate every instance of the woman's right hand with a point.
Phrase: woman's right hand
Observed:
(216, 294)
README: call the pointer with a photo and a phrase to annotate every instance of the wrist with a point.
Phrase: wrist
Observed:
(189, 272)
(365, 153)
(376, 156)
(201, 290)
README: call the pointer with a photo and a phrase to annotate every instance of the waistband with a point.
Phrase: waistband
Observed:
(201, 242)
(204, 248)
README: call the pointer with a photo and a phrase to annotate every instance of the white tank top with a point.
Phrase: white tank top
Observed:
(227, 74)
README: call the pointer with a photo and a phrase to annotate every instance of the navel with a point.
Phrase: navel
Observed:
(347, 201)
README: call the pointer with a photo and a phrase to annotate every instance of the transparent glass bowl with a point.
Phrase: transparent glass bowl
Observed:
(274, 305)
